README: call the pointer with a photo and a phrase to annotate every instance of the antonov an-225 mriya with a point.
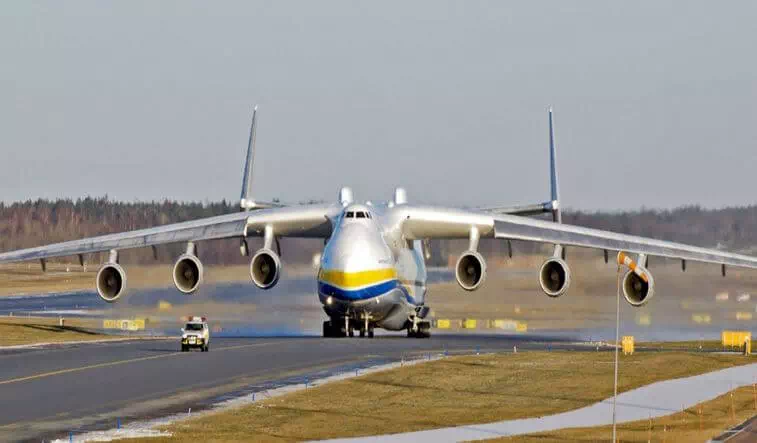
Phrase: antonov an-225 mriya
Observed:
(372, 270)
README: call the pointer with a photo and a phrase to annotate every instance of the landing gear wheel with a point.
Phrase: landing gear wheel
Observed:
(370, 332)
(327, 329)
(352, 332)
(423, 331)
(331, 330)
(183, 348)
(205, 348)
(362, 333)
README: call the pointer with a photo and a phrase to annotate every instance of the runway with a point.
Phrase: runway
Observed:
(48, 392)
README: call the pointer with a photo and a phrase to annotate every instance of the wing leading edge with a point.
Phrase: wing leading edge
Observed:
(429, 222)
(294, 221)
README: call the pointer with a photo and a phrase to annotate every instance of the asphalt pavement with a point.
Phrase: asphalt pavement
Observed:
(48, 392)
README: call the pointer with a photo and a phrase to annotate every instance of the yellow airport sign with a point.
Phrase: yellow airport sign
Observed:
(735, 339)
(137, 324)
(643, 319)
(469, 323)
(743, 316)
(628, 344)
(443, 323)
(701, 319)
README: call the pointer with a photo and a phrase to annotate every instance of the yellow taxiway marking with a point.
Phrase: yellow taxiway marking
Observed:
(120, 362)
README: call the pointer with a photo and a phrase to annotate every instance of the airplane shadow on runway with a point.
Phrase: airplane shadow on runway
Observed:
(54, 328)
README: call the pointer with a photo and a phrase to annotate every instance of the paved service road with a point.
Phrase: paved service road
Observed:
(743, 433)
(47, 392)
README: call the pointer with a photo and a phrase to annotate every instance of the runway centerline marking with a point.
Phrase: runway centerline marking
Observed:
(120, 362)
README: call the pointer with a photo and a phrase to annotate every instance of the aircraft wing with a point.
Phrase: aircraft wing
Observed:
(429, 222)
(532, 209)
(293, 221)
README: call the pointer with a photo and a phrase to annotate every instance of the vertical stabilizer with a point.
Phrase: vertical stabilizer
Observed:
(553, 184)
(246, 201)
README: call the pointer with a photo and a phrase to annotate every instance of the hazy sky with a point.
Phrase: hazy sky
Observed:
(143, 100)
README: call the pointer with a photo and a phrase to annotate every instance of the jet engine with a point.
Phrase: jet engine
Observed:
(110, 282)
(554, 276)
(470, 270)
(187, 273)
(636, 290)
(265, 269)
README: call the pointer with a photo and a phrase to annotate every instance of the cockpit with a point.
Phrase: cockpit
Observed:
(355, 213)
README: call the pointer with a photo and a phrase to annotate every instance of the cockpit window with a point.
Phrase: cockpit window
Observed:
(357, 214)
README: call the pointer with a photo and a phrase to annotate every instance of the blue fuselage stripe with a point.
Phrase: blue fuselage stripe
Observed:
(362, 293)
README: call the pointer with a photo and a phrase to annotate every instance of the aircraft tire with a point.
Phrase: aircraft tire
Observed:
(331, 331)
(424, 330)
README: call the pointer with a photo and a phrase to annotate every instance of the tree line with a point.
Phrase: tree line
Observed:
(38, 222)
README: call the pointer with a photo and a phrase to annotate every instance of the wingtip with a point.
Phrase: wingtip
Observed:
(549, 109)
(255, 108)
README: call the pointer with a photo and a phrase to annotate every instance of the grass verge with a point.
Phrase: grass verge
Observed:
(452, 391)
(23, 330)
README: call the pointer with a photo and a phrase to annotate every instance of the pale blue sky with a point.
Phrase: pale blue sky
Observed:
(152, 99)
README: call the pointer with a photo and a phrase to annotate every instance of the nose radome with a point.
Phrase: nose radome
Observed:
(357, 249)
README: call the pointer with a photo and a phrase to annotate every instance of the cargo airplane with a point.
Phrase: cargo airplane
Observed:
(372, 270)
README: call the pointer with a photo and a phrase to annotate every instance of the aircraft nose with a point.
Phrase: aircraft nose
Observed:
(354, 251)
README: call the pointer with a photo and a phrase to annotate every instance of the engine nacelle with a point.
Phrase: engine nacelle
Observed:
(470, 270)
(265, 269)
(187, 273)
(637, 291)
(554, 277)
(110, 282)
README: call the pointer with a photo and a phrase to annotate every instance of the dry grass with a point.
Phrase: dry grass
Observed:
(28, 278)
(512, 291)
(22, 330)
(453, 391)
(697, 424)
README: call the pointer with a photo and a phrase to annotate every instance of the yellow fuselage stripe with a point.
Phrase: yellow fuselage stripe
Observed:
(348, 280)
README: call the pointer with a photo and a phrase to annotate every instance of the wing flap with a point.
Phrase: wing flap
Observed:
(431, 222)
(303, 221)
(520, 228)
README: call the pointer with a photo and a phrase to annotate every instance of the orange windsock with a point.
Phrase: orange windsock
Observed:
(624, 259)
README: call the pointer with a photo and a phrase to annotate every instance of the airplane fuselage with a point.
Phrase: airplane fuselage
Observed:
(368, 273)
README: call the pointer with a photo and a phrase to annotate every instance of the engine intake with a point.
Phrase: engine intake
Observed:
(637, 291)
(265, 269)
(187, 273)
(470, 270)
(110, 282)
(554, 277)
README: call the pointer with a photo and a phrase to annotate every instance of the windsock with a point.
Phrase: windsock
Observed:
(625, 259)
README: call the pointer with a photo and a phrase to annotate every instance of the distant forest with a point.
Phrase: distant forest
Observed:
(34, 223)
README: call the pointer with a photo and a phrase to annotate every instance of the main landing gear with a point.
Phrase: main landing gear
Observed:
(419, 329)
(338, 328)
